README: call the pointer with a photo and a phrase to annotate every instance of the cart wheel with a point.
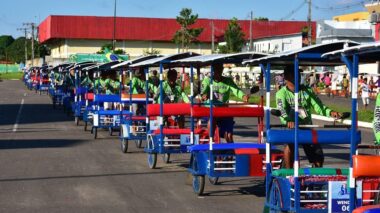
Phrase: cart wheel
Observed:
(198, 184)
(213, 180)
(124, 145)
(138, 143)
(110, 131)
(95, 132)
(166, 158)
(85, 126)
(77, 120)
(152, 160)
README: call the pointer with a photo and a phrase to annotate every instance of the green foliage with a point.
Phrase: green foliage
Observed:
(222, 49)
(234, 37)
(107, 48)
(119, 52)
(16, 51)
(5, 41)
(186, 35)
(43, 50)
(151, 52)
(261, 19)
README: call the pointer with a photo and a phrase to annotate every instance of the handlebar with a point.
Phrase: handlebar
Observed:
(312, 126)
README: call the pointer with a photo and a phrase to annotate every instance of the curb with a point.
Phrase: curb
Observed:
(348, 122)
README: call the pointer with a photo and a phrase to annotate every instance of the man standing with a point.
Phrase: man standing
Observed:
(223, 87)
(307, 101)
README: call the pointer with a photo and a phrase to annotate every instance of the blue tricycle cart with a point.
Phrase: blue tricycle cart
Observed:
(162, 140)
(215, 160)
(312, 189)
(133, 127)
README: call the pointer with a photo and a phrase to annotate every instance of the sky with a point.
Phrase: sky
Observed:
(13, 13)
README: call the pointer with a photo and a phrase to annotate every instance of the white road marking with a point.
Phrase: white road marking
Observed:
(15, 126)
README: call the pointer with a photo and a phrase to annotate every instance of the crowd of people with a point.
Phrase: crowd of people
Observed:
(334, 85)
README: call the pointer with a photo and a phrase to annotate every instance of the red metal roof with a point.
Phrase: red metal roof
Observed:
(152, 29)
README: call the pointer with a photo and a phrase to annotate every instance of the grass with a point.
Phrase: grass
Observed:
(363, 115)
(10, 75)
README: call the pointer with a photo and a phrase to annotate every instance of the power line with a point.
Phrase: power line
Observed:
(336, 8)
(291, 13)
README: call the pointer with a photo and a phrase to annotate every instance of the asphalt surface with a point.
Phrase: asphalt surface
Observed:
(48, 164)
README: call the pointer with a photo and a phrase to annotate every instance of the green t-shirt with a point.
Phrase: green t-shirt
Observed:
(171, 94)
(113, 87)
(138, 86)
(376, 120)
(222, 89)
(87, 82)
(69, 81)
(307, 101)
(102, 85)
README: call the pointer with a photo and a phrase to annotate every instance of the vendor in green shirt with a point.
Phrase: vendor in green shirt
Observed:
(307, 101)
(101, 84)
(172, 92)
(138, 83)
(223, 87)
(69, 80)
(376, 120)
(87, 82)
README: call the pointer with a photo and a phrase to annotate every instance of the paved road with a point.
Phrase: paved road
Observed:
(48, 164)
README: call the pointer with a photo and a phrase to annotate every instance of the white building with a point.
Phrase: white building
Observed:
(276, 44)
(331, 31)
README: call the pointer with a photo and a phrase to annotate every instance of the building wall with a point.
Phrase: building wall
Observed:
(358, 16)
(334, 39)
(278, 43)
(326, 31)
(65, 48)
(373, 7)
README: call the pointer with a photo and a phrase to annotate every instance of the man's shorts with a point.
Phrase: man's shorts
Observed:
(226, 125)
(365, 100)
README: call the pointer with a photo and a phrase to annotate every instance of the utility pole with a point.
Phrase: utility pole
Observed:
(26, 42)
(212, 37)
(250, 32)
(32, 25)
(309, 22)
(114, 28)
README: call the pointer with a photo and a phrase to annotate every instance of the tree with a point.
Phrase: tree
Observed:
(186, 35)
(119, 52)
(107, 48)
(5, 41)
(261, 19)
(16, 51)
(151, 52)
(234, 37)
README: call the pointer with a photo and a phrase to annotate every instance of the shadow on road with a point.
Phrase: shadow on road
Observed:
(38, 143)
(254, 187)
(31, 113)
(88, 176)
